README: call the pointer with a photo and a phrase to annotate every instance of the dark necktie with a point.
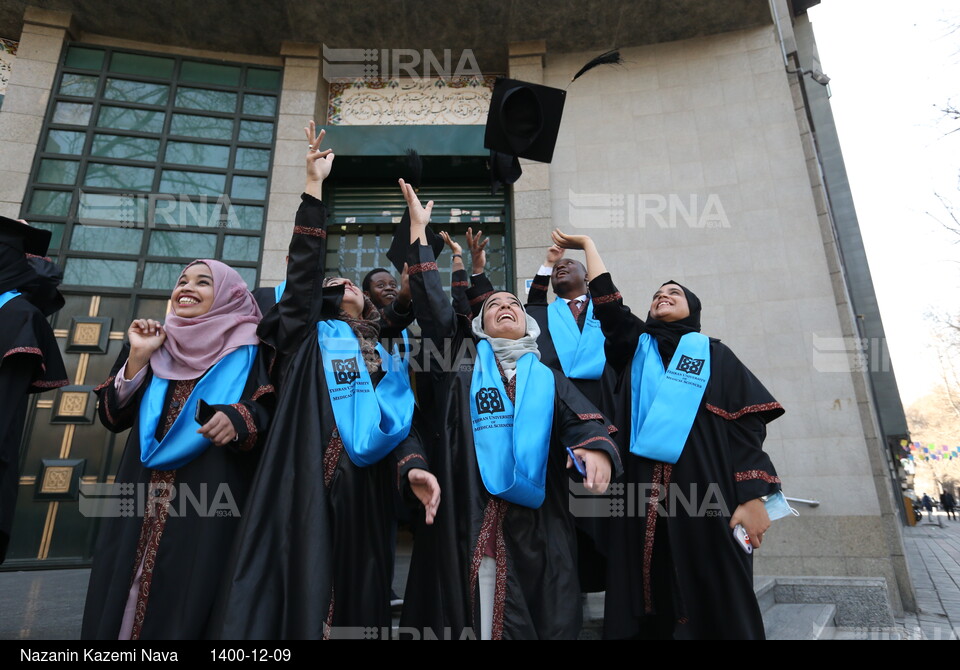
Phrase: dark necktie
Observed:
(576, 307)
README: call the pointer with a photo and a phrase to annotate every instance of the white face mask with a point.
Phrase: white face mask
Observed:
(778, 507)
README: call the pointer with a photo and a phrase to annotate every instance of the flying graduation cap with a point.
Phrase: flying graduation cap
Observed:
(24, 237)
(524, 120)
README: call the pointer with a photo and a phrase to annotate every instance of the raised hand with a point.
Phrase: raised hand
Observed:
(564, 241)
(450, 242)
(404, 296)
(554, 253)
(478, 250)
(319, 163)
(419, 215)
(145, 337)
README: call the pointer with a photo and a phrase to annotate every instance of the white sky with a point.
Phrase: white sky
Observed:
(893, 66)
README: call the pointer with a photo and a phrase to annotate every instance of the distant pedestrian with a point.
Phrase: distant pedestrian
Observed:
(927, 503)
(948, 503)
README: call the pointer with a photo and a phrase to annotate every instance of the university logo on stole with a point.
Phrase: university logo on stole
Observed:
(489, 401)
(692, 365)
(346, 370)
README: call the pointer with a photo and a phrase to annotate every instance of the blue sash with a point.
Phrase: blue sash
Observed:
(278, 291)
(512, 443)
(665, 403)
(221, 385)
(7, 297)
(580, 353)
(372, 421)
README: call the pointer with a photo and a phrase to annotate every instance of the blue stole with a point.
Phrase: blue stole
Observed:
(371, 421)
(221, 385)
(278, 290)
(7, 297)
(665, 402)
(580, 353)
(512, 443)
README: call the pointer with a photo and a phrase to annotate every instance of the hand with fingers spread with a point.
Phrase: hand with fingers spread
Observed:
(419, 214)
(145, 337)
(219, 430)
(319, 163)
(478, 250)
(457, 263)
(595, 266)
(425, 486)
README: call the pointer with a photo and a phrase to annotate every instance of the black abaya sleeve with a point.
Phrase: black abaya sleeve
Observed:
(435, 314)
(621, 327)
(580, 425)
(480, 289)
(393, 321)
(115, 418)
(537, 295)
(459, 284)
(251, 416)
(301, 304)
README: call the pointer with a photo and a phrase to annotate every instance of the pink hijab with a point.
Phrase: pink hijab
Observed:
(194, 345)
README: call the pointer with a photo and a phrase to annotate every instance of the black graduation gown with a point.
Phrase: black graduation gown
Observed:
(31, 363)
(686, 568)
(538, 592)
(181, 570)
(314, 555)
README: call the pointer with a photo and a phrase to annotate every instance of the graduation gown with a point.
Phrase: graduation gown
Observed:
(30, 363)
(314, 556)
(537, 589)
(183, 545)
(684, 568)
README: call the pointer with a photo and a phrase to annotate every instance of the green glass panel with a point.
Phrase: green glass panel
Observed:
(81, 85)
(97, 272)
(245, 217)
(241, 248)
(106, 239)
(149, 66)
(128, 209)
(192, 183)
(256, 131)
(119, 146)
(50, 203)
(249, 275)
(266, 79)
(259, 105)
(207, 127)
(191, 245)
(191, 153)
(210, 73)
(72, 113)
(252, 159)
(249, 188)
(57, 172)
(85, 59)
(161, 275)
(136, 91)
(120, 177)
(211, 101)
(56, 236)
(131, 119)
(64, 142)
(179, 212)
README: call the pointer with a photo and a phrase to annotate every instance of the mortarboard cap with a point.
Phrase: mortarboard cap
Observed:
(524, 119)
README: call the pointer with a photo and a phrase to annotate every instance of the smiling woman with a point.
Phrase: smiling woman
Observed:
(192, 468)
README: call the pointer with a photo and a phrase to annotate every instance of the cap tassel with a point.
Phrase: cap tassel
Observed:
(608, 58)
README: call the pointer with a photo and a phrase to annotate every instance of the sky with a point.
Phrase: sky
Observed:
(893, 67)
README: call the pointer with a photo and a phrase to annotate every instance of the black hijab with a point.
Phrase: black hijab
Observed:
(668, 334)
(15, 271)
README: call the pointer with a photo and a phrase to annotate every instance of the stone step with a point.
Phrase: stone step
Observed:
(799, 622)
(765, 590)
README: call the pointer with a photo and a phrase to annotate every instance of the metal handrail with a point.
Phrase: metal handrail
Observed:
(811, 503)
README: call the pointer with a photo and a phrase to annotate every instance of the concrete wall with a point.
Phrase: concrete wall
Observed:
(715, 119)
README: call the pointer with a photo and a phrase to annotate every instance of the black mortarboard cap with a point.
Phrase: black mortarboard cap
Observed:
(524, 119)
(23, 237)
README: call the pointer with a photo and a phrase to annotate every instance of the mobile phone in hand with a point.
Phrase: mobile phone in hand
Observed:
(742, 538)
(577, 462)
(204, 413)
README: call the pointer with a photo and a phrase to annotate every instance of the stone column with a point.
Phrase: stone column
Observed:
(532, 220)
(298, 105)
(25, 104)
